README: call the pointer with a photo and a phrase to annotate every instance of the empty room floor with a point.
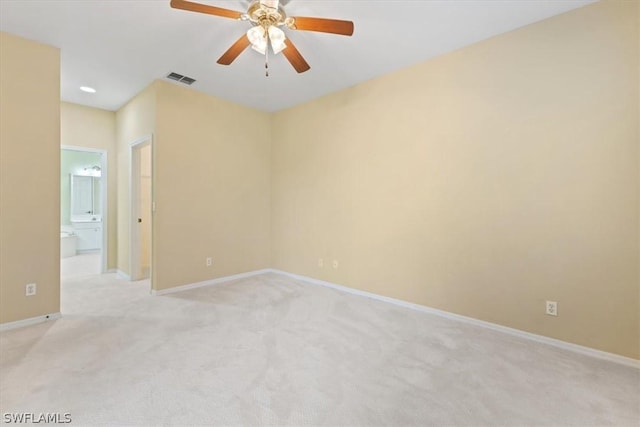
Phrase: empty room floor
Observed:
(80, 265)
(270, 350)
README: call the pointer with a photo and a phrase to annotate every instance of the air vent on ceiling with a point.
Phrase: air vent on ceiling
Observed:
(180, 78)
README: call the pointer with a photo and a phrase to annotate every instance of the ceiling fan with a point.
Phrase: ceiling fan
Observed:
(266, 18)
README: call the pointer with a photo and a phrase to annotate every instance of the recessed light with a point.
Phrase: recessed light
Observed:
(87, 89)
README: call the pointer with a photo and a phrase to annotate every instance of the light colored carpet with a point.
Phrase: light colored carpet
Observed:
(81, 265)
(269, 350)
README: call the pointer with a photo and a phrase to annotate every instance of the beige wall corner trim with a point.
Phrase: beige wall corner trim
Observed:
(587, 351)
(210, 282)
(28, 322)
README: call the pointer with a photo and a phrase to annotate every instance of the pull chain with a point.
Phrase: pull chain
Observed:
(266, 56)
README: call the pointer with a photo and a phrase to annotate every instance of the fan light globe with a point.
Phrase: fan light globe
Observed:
(257, 38)
(277, 37)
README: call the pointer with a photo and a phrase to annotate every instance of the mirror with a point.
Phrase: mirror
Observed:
(85, 197)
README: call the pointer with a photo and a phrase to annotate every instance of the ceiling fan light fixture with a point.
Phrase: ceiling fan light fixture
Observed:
(258, 38)
(267, 16)
(277, 37)
(260, 48)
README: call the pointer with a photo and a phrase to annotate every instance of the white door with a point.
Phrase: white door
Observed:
(141, 215)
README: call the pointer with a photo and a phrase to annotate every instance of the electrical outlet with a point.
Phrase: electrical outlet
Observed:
(320, 262)
(552, 308)
(209, 262)
(30, 289)
(335, 263)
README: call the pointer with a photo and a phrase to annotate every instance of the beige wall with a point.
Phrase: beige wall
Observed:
(29, 178)
(483, 182)
(136, 120)
(212, 188)
(89, 127)
(211, 184)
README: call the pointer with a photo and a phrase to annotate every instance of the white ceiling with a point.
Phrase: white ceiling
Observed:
(119, 47)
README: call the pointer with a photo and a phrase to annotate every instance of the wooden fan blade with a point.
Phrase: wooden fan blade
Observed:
(293, 55)
(236, 49)
(322, 25)
(205, 8)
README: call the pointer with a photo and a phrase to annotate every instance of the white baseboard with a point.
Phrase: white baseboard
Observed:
(122, 275)
(209, 282)
(30, 321)
(622, 360)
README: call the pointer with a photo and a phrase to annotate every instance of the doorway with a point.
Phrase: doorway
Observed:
(141, 202)
(83, 211)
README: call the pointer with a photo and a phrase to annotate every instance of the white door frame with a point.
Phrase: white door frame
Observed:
(134, 238)
(104, 189)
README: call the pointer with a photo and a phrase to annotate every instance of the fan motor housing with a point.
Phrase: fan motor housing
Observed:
(262, 15)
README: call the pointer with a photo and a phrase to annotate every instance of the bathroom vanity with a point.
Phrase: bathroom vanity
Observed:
(89, 234)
